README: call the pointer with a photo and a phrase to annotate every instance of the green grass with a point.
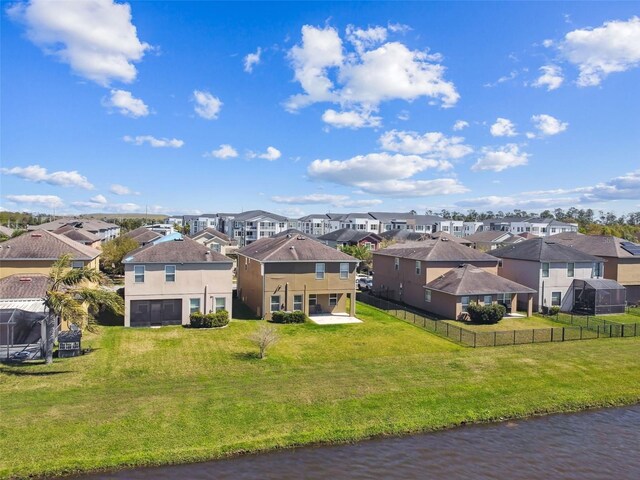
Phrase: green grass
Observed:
(509, 323)
(154, 396)
(620, 318)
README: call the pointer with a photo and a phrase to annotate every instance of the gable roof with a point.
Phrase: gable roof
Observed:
(293, 246)
(448, 236)
(404, 235)
(599, 245)
(436, 251)
(543, 250)
(184, 250)
(211, 231)
(33, 285)
(90, 224)
(143, 235)
(349, 235)
(470, 280)
(490, 236)
(254, 214)
(45, 245)
(77, 234)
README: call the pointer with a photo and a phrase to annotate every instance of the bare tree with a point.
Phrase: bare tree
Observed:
(263, 338)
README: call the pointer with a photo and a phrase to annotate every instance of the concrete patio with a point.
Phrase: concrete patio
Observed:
(333, 319)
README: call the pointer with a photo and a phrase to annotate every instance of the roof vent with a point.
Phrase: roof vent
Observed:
(292, 247)
(36, 235)
(25, 279)
(288, 235)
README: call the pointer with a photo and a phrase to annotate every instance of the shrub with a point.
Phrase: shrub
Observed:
(210, 320)
(288, 317)
(555, 310)
(486, 314)
(221, 318)
(196, 319)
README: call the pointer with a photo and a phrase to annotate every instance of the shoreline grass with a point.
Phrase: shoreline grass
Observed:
(151, 397)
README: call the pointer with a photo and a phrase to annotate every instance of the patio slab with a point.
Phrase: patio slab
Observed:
(333, 319)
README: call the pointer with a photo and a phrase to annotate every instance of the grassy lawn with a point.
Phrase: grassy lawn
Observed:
(620, 318)
(152, 396)
(510, 323)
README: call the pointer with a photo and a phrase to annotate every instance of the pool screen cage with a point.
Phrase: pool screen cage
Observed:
(598, 297)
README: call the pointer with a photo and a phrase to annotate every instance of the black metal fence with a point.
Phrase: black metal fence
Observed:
(472, 338)
(600, 324)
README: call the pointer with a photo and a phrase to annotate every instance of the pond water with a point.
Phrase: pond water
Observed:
(599, 444)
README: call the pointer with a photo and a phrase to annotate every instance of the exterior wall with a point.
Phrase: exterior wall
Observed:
(191, 282)
(447, 306)
(24, 267)
(250, 288)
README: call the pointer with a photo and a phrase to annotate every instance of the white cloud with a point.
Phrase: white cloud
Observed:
(251, 60)
(500, 159)
(493, 202)
(126, 104)
(360, 77)
(505, 78)
(271, 154)
(207, 106)
(625, 187)
(350, 119)
(99, 199)
(325, 199)
(119, 207)
(49, 201)
(122, 190)
(503, 128)
(433, 144)
(36, 173)
(414, 188)
(459, 125)
(359, 203)
(547, 125)
(551, 77)
(153, 141)
(225, 151)
(597, 52)
(96, 37)
(404, 115)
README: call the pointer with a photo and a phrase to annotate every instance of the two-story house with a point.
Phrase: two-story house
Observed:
(292, 271)
(168, 280)
(493, 239)
(348, 237)
(550, 268)
(216, 241)
(105, 231)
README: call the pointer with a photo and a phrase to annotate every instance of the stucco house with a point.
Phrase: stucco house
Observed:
(493, 239)
(216, 241)
(403, 269)
(350, 237)
(292, 271)
(105, 231)
(550, 268)
(166, 281)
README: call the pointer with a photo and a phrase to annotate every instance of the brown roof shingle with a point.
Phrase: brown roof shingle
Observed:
(33, 285)
(175, 251)
(293, 247)
(436, 251)
(44, 245)
(598, 245)
(470, 280)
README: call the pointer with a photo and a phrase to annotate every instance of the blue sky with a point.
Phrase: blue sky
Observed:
(313, 107)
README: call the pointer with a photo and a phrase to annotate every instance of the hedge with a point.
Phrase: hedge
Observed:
(209, 320)
(288, 317)
(486, 314)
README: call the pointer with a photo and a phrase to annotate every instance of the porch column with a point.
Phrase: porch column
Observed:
(352, 305)
(514, 303)
(529, 304)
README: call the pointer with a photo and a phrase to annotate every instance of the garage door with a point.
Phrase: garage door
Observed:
(147, 313)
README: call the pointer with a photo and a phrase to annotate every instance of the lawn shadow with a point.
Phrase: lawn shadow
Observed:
(247, 356)
(242, 312)
(17, 373)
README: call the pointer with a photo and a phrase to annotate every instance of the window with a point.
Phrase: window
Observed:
(427, 295)
(69, 345)
(169, 273)
(275, 303)
(556, 298)
(297, 302)
(138, 273)
(194, 305)
(319, 271)
(418, 267)
(77, 264)
(465, 303)
(488, 300)
(597, 270)
(344, 270)
(545, 270)
(313, 300)
(221, 303)
(333, 299)
(396, 263)
(570, 269)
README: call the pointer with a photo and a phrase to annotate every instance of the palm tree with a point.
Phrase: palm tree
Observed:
(360, 252)
(76, 295)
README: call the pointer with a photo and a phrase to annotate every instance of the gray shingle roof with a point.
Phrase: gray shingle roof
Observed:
(33, 285)
(404, 235)
(293, 247)
(90, 224)
(348, 235)
(44, 245)
(543, 250)
(175, 251)
(599, 245)
(488, 236)
(436, 251)
(470, 280)
(211, 231)
(448, 236)
(79, 235)
(143, 235)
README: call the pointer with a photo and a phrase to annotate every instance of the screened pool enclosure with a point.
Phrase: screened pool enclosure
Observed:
(598, 296)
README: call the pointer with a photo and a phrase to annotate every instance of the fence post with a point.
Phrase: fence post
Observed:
(474, 339)
(563, 334)
(598, 330)
(495, 338)
(514, 337)
(581, 332)
(460, 335)
(447, 329)
(552, 329)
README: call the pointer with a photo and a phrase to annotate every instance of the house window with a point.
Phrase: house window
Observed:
(465, 303)
(418, 267)
(221, 303)
(344, 270)
(597, 269)
(556, 298)
(138, 273)
(545, 270)
(333, 299)
(570, 269)
(275, 303)
(297, 302)
(77, 264)
(427, 295)
(488, 300)
(194, 305)
(313, 300)
(396, 263)
(169, 273)
(319, 271)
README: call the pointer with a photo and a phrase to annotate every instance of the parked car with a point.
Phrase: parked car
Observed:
(364, 283)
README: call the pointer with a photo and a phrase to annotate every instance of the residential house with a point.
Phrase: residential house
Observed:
(622, 258)
(165, 282)
(216, 241)
(447, 236)
(450, 294)
(550, 268)
(356, 221)
(143, 235)
(454, 227)
(24, 292)
(403, 269)
(292, 271)
(103, 230)
(35, 252)
(492, 239)
(349, 237)
(80, 235)
(402, 236)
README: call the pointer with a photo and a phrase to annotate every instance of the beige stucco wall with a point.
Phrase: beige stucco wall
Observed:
(250, 289)
(25, 267)
(192, 281)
